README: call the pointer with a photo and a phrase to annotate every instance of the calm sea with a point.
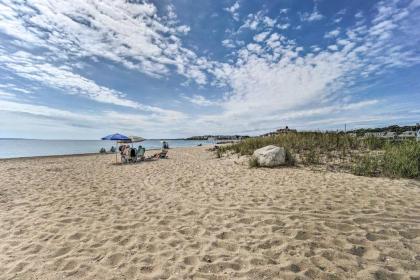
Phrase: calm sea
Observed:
(29, 148)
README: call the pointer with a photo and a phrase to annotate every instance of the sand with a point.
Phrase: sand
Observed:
(194, 216)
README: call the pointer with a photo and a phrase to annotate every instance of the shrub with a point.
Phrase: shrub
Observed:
(375, 143)
(253, 162)
(312, 157)
(366, 165)
(402, 160)
(290, 159)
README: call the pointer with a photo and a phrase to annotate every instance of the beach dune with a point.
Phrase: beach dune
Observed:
(194, 216)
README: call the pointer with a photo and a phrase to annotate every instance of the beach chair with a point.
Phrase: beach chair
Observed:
(162, 154)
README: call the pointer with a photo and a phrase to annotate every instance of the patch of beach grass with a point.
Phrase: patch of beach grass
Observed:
(367, 165)
(362, 156)
(402, 160)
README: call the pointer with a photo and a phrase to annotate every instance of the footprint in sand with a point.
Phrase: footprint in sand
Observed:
(70, 265)
(303, 235)
(191, 260)
(19, 267)
(114, 259)
(410, 234)
(339, 226)
(76, 236)
(225, 235)
(146, 269)
(220, 267)
(61, 252)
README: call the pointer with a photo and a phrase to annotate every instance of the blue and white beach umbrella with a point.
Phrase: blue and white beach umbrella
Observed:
(118, 138)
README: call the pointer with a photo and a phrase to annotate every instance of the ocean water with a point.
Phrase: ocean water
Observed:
(30, 148)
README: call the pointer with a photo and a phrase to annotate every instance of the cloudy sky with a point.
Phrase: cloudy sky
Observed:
(85, 68)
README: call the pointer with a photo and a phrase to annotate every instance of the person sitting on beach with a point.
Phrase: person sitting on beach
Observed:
(162, 154)
(126, 150)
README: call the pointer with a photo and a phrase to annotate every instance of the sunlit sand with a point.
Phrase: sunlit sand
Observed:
(194, 216)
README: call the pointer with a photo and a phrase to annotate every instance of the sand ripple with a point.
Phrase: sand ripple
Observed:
(197, 217)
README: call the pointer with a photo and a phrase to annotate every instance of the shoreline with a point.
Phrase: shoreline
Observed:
(85, 154)
(52, 156)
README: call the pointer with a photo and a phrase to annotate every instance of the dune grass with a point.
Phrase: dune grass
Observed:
(361, 156)
(306, 147)
(402, 160)
(397, 160)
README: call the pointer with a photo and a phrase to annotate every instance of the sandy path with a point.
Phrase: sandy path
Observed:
(197, 217)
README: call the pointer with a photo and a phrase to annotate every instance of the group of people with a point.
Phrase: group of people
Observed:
(131, 154)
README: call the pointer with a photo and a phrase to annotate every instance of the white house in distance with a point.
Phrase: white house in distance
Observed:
(384, 135)
(418, 131)
(408, 135)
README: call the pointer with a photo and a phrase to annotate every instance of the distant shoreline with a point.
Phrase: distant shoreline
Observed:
(81, 154)
(25, 148)
(53, 156)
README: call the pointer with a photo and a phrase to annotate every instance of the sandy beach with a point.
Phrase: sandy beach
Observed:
(194, 216)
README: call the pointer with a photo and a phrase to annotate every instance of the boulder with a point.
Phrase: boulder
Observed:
(270, 156)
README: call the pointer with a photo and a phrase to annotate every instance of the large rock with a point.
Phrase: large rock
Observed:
(270, 156)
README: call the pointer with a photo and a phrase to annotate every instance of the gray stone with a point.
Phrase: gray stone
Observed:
(270, 156)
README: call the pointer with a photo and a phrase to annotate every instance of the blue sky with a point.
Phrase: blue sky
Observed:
(84, 69)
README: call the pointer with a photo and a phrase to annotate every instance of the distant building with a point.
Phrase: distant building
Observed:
(374, 134)
(418, 131)
(389, 135)
(407, 134)
(280, 131)
(383, 135)
(285, 130)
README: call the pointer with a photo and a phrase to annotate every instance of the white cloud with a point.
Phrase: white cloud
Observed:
(228, 43)
(33, 68)
(332, 33)
(333, 47)
(15, 88)
(200, 100)
(91, 125)
(272, 83)
(313, 16)
(233, 10)
(128, 33)
(269, 21)
(254, 21)
(414, 4)
(283, 26)
(261, 36)
(4, 94)
(358, 15)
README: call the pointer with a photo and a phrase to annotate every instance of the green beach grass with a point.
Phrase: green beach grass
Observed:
(362, 156)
